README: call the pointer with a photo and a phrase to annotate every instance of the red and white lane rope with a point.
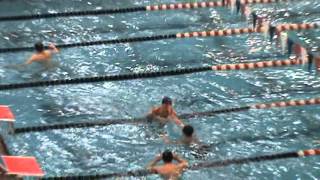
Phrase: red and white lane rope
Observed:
(184, 6)
(303, 26)
(226, 32)
(256, 65)
(237, 31)
(174, 6)
(310, 152)
(280, 104)
(261, 1)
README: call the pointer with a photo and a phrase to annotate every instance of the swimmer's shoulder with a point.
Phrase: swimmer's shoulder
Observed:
(173, 112)
(47, 53)
(156, 110)
(40, 56)
(182, 165)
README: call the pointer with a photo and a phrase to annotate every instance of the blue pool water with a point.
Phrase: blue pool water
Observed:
(120, 148)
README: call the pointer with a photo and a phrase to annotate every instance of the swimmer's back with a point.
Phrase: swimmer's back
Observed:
(170, 171)
(44, 56)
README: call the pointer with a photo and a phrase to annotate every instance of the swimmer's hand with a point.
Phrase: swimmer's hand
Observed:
(182, 162)
(176, 120)
(154, 162)
(158, 157)
(165, 138)
(53, 48)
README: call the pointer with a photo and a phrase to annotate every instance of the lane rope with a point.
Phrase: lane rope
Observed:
(210, 33)
(119, 121)
(155, 74)
(279, 104)
(160, 7)
(199, 166)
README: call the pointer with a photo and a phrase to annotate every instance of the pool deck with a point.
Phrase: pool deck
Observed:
(4, 151)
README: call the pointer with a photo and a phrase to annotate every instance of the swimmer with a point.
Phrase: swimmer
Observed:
(165, 113)
(169, 170)
(198, 149)
(188, 138)
(42, 56)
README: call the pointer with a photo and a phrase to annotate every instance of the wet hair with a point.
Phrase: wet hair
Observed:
(187, 130)
(166, 100)
(39, 47)
(167, 156)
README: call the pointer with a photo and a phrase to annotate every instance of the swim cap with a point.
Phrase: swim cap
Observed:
(167, 156)
(39, 46)
(166, 100)
(187, 130)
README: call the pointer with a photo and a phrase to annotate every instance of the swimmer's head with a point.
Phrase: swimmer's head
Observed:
(187, 130)
(39, 46)
(167, 156)
(166, 100)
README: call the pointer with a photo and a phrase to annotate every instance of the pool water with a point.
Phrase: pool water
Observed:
(119, 148)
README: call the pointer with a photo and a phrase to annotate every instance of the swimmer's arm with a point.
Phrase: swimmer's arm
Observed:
(153, 114)
(175, 118)
(179, 122)
(152, 164)
(30, 60)
(53, 48)
(182, 162)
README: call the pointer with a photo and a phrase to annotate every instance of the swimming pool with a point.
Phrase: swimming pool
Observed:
(119, 148)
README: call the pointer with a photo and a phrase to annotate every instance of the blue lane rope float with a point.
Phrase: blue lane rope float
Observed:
(144, 75)
(197, 166)
(211, 33)
(279, 104)
(172, 6)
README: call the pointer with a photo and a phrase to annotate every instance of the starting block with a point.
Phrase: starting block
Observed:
(6, 115)
(22, 166)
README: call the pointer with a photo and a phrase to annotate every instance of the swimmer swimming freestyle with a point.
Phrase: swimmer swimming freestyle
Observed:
(188, 137)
